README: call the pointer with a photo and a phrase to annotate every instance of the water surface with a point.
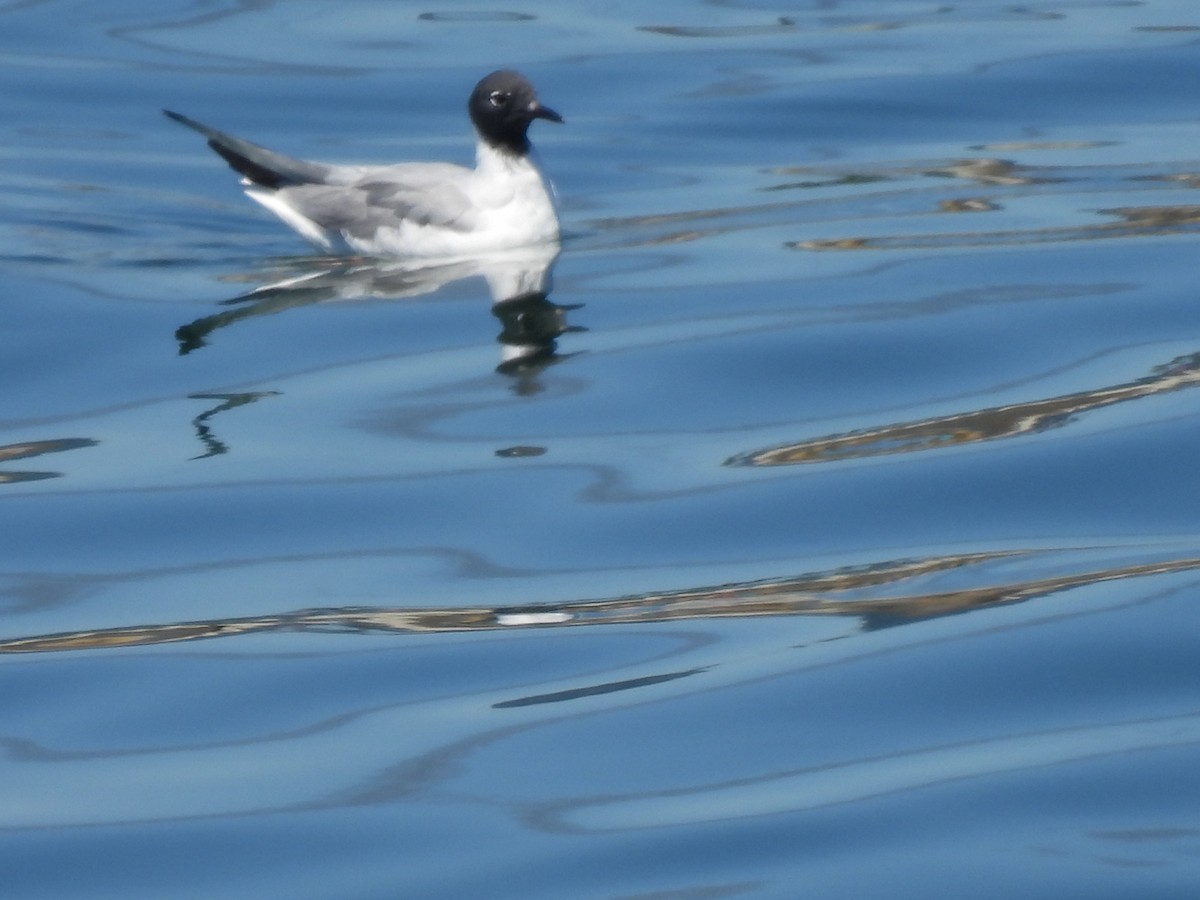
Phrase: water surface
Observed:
(828, 527)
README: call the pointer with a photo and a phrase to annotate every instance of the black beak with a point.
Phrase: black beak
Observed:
(537, 111)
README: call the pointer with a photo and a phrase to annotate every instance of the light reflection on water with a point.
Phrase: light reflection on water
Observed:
(825, 520)
(805, 595)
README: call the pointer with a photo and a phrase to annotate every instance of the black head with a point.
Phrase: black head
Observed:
(502, 106)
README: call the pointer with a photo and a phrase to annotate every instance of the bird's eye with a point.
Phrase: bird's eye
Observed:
(498, 98)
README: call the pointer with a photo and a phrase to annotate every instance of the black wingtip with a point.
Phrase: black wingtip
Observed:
(184, 120)
(262, 166)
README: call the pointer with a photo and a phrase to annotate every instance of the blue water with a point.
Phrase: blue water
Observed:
(829, 529)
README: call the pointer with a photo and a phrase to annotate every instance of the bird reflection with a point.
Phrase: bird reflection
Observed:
(531, 326)
(518, 282)
(214, 446)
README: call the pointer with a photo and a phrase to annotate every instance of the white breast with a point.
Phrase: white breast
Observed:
(509, 205)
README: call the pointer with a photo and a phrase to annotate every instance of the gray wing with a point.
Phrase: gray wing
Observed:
(384, 197)
(353, 200)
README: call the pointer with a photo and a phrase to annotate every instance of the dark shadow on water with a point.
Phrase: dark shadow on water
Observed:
(594, 690)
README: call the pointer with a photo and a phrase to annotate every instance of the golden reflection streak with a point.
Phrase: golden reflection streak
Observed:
(32, 449)
(1135, 221)
(1004, 177)
(972, 427)
(807, 595)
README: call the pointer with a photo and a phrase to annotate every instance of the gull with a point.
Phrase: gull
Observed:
(413, 209)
